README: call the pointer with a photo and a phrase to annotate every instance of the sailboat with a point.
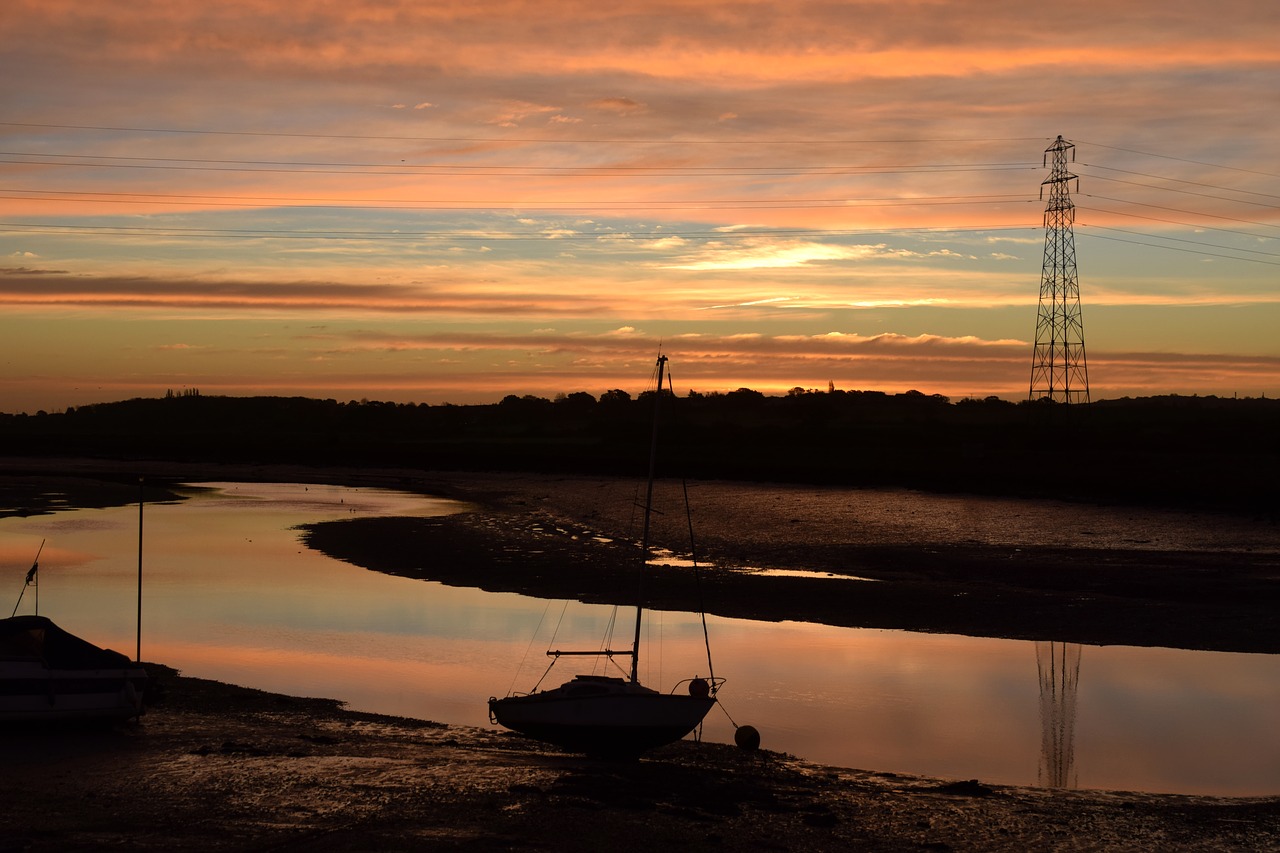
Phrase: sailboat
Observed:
(612, 715)
(50, 674)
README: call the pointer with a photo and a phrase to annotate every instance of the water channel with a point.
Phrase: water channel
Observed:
(231, 594)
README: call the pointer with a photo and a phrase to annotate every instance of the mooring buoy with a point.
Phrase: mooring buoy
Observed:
(746, 737)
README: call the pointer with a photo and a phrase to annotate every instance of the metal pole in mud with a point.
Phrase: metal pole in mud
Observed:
(138, 654)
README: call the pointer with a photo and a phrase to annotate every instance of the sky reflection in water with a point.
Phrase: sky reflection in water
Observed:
(231, 594)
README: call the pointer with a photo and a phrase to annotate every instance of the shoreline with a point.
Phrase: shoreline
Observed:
(214, 767)
(1213, 584)
(1215, 588)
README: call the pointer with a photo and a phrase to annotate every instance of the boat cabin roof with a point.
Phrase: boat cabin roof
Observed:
(38, 638)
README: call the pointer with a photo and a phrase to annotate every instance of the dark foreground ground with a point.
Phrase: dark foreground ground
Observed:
(220, 768)
(216, 767)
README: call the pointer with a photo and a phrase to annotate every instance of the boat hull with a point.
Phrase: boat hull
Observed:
(31, 692)
(602, 716)
(47, 673)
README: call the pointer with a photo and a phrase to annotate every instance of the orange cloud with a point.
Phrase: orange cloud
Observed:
(755, 173)
(621, 106)
(749, 41)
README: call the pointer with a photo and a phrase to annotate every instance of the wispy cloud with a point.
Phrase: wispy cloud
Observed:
(773, 254)
(803, 192)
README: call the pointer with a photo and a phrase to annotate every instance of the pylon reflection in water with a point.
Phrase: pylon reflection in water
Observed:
(1059, 667)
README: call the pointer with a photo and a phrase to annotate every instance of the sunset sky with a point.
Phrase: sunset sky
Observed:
(456, 201)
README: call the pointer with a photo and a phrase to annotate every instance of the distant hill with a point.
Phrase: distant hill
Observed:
(1210, 452)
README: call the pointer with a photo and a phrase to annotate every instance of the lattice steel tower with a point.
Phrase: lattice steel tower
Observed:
(1058, 369)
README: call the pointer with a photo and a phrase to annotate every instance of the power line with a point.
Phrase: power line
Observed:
(1188, 212)
(506, 204)
(418, 237)
(1249, 234)
(1192, 192)
(517, 171)
(510, 171)
(1179, 249)
(1191, 242)
(500, 139)
(1182, 159)
(238, 201)
(1175, 180)
(508, 237)
(166, 231)
(437, 169)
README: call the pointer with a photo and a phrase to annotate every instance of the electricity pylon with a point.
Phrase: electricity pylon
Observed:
(1058, 369)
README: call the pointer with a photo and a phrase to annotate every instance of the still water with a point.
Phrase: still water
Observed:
(231, 594)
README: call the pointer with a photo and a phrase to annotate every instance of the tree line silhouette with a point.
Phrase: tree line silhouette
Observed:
(1201, 451)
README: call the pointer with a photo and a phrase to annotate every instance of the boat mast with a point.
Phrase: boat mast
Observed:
(648, 511)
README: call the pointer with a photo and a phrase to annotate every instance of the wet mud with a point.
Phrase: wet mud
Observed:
(212, 767)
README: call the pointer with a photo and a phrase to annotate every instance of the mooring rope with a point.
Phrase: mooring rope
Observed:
(697, 582)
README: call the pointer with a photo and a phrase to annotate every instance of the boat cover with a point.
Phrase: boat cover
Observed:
(37, 638)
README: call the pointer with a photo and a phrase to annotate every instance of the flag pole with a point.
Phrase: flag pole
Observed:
(33, 577)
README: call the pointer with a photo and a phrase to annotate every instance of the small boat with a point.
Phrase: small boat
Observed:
(49, 674)
(611, 715)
